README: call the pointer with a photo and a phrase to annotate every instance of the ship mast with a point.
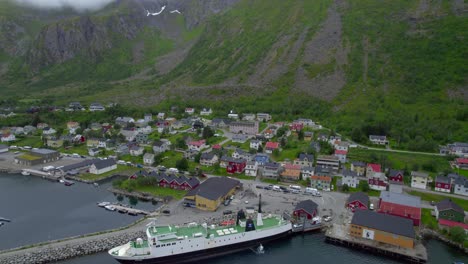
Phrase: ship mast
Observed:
(259, 215)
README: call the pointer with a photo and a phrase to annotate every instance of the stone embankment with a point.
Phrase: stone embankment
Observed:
(69, 249)
(141, 196)
(428, 233)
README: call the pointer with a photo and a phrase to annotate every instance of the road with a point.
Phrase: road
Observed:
(408, 189)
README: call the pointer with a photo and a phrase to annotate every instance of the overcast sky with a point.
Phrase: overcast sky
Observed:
(79, 5)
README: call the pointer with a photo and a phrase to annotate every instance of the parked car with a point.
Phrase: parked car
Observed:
(166, 211)
(226, 212)
(327, 218)
(227, 202)
(286, 191)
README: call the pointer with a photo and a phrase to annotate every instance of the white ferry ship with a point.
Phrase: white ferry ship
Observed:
(194, 242)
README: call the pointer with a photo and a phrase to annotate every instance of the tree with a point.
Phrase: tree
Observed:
(364, 186)
(207, 133)
(260, 149)
(457, 234)
(276, 153)
(283, 142)
(182, 164)
(197, 157)
(345, 188)
(281, 131)
(180, 143)
(300, 135)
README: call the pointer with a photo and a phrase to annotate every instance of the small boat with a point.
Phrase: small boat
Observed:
(25, 173)
(132, 213)
(122, 211)
(62, 181)
(68, 183)
(103, 204)
(96, 184)
(109, 207)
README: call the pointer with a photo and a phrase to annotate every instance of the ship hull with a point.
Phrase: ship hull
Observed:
(209, 253)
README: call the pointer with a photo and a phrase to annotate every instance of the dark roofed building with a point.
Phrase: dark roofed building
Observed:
(357, 200)
(211, 193)
(448, 210)
(383, 228)
(102, 166)
(306, 209)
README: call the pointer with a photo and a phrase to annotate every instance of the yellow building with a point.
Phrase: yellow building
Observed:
(382, 228)
(211, 193)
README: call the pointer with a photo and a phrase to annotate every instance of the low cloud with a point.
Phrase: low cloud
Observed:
(79, 5)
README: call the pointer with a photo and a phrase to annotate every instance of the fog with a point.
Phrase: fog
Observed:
(79, 5)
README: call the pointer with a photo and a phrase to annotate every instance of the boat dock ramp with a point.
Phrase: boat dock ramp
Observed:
(122, 209)
(338, 234)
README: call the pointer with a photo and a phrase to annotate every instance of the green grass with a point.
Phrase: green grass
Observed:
(27, 156)
(462, 172)
(81, 149)
(32, 141)
(370, 192)
(121, 170)
(269, 181)
(160, 191)
(437, 198)
(428, 220)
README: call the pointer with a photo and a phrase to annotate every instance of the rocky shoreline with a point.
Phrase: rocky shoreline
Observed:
(431, 234)
(141, 196)
(72, 249)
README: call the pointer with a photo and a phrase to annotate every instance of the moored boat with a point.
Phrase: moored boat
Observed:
(109, 207)
(103, 204)
(25, 173)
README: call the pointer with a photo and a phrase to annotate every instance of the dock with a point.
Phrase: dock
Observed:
(45, 175)
(338, 234)
(306, 227)
(129, 210)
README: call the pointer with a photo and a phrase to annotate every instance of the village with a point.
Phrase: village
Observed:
(206, 163)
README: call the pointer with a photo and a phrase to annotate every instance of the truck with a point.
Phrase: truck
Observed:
(311, 191)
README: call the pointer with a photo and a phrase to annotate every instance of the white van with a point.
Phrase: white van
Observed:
(173, 170)
(276, 188)
(295, 187)
(311, 191)
(121, 162)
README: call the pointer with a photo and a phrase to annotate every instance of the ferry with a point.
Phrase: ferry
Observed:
(195, 242)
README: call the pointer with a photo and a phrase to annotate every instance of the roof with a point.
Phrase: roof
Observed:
(271, 166)
(341, 152)
(207, 156)
(349, 173)
(374, 167)
(359, 163)
(321, 178)
(307, 205)
(101, 164)
(304, 156)
(462, 161)
(448, 204)
(393, 173)
(402, 199)
(214, 188)
(292, 167)
(197, 143)
(449, 223)
(442, 179)
(148, 156)
(375, 137)
(384, 222)
(359, 196)
(43, 151)
(461, 181)
(272, 145)
(419, 174)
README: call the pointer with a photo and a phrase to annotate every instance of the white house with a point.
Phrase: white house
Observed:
(136, 150)
(263, 117)
(148, 159)
(102, 166)
(94, 152)
(350, 178)
(255, 144)
(8, 138)
(197, 145)
(48, 131)
(161, 115)
(160, 146)
(206, 111)
(379, 140)
(419, 179)
(307, 172)
(129, 134)
(251, 169)
(461, 186)
(189, 110)
(145, 130)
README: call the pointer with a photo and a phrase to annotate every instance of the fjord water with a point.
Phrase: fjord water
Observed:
(42, 210)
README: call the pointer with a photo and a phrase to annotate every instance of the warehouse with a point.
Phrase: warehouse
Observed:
(211, 193)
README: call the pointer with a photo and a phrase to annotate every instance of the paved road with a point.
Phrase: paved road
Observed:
(408, 189)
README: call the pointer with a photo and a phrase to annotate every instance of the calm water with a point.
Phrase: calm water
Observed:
(42, 210)
(305, 249)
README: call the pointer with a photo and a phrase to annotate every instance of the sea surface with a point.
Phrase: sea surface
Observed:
(42, 210)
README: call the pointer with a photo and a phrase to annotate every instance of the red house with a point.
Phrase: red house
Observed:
(372, 169)
(305, 209)
(378, 183)
(178, 183)
(296, 126)
(443, 184)
(358, 200)
(402, 205)
(236, 165)
(166, 180)
(462, 163)
(270, 146)
(395, 176)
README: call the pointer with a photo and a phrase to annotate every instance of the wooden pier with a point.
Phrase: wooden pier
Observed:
(45, 175)
(338, 234)
(129, 210)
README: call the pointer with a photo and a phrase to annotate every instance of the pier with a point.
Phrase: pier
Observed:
(338, 234)
(45, 175)
(129, 210)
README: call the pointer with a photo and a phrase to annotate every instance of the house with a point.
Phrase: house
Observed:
(145, 130)
(197, 145)
(92, 142)
(357, 200)
(73, 106)
(236, 166)
(148, 117)
(141, 138)
(263, 117)
(378, 182)
(458, 148)
(72, 125)
(124, 121)
(37, 156)
(307, 172)
(271, 170)
(305, 209)
(248, 117)
(270, 146)
(191, 154)
(255, 144)
(141, 123)
(102, 166)
(220, 122)
(244, 127)
(197, 124)
(239, 138)
(122, 149)
(206, 111)
(208, 159)
(342, 145)
(321, 182)
(359, 167)
(448, 210)
(323, 171)
(136, 150)
(241, 154)
(251, 169)
(291, 172)
(190, 111)
(419, 179)
(308, 135)
(382, 228)
(395, 176)
(54, 142)
(3, 148)
(461, 186)
(233, 115)
(48, 131)
(372, 169)
(350, 178)
(322, 137)
(333, 140)
(378, 140)
(306, 122)
(148, 159)
(261, 159)
(94, 152)
(341, 155)
(160, 146)
(96, 107)
(296, 126)
(269, 133)
(106, 143)
(402, 205)
(443, 184)
(305, 160)
(211, 193)
(461, 163)
(42, 125)
(160, 116)
(8, 138)
(29, 129)
(129, 134)
(331, 162)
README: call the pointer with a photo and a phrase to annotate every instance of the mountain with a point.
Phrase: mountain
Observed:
(391, 67)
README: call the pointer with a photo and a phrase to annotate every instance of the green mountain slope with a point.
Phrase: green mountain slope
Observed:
(363, 67)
